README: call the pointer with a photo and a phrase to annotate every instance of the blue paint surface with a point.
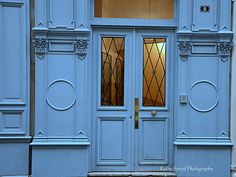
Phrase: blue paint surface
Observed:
(74, 134)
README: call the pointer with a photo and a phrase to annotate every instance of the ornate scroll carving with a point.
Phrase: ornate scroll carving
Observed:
(224, 50)
(40, 46)
(184, 50)
(81, 48)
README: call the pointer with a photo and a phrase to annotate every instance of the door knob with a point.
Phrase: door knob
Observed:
(154, 113)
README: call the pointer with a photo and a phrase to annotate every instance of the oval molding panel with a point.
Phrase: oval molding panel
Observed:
(203, 96)
(61, 95)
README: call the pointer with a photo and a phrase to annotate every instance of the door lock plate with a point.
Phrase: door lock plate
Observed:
(136, 110)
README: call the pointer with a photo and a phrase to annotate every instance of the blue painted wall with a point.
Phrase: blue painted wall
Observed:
(202, 122)
(66, 39)
(14, 87)
(61, 122)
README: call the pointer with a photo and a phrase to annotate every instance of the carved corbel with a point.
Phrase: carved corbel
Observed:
(184, 50)
(40, 46)
(224, 50)
(81, 48)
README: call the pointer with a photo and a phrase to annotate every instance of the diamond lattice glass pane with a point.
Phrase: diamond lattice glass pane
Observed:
(154, 71)
(112, 91)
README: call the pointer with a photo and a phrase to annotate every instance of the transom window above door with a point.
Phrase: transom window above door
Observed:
(146, 9)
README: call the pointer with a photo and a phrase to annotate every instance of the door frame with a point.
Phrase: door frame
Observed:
(154, 32)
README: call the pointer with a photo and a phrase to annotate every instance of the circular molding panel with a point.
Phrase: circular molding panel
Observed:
(203, 96)
(61, 94)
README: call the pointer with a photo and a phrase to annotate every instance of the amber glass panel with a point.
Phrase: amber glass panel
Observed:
(148, 9)
(112, 92)
(154, 71)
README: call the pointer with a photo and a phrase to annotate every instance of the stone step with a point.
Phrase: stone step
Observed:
(129, 174)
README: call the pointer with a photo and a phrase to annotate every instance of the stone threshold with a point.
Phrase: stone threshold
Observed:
(136, 174)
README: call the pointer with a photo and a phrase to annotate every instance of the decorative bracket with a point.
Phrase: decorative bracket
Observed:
(184, 50)
(40, 46)
(224, 50)
(81, 48)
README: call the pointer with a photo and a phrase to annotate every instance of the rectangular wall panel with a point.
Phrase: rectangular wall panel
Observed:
(12, 122)
(13, 53)
(61, 95)
(205, 15)
(203, 96)
(58, 19)
(14, 87)
(206, 48)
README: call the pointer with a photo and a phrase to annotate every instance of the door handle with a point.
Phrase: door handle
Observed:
(136, 111)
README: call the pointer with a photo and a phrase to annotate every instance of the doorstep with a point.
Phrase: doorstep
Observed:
(136, 174)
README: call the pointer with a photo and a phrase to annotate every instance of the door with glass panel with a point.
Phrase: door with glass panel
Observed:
(132, 100)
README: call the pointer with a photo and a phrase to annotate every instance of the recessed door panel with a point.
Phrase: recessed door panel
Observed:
(153, 141)
(111, 140)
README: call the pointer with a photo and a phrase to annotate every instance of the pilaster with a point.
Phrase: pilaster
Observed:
(204, 40)
(61, 40)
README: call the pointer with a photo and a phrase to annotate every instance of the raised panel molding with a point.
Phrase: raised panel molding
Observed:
(41, 11)
(58, 19)
(194, 99)
(205, 20)
(153, 135)
(59, 101)
(60, 46)
(111, 147)
(12, 122)
(13, 56)
(204, 48)
(14, 74)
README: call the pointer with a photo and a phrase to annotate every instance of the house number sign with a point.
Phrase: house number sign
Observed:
(204, 9)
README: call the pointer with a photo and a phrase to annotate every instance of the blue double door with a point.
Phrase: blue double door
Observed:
(132, 122)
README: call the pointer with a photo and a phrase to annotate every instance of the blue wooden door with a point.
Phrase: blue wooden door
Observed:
(132, 100)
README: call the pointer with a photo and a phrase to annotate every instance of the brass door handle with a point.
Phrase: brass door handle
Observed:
(136, 111)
